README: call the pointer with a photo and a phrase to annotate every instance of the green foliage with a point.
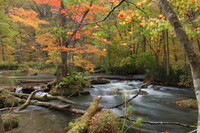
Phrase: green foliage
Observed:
(25, 67)
(138, 122)
(73, 79)
(147, 62)
(129, 110)
(8, 65)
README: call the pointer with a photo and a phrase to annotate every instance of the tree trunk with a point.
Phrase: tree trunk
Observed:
(62, 69)
(144, 43)
(3, 52)
(193, 57)
(167, 49)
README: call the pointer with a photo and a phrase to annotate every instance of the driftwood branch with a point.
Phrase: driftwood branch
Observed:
(82, 124)
(127, 101)
(159, 123)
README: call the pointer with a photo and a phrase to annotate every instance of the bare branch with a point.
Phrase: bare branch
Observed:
(110, 12)
(159, 123)
(127, 101)
(137, 7)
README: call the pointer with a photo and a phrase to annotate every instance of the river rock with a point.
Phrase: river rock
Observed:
(142, 93)
(189, 103)
(99, 81)
(85, 93)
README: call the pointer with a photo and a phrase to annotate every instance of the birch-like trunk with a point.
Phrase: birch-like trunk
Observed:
(193, 57)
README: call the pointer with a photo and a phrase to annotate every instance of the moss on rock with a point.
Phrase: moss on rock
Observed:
(70, 86)
(10, 121)
(7, 100)
(103, 122)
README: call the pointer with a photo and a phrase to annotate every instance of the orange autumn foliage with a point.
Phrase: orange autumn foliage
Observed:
(27, 17)
(85, 64)
(56, 3)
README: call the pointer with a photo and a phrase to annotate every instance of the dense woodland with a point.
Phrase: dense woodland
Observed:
(126, 37)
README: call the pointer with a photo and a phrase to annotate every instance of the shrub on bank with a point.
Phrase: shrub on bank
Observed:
(8, 65)
(70, 85)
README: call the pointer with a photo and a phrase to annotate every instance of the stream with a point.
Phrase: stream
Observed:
(155, 103)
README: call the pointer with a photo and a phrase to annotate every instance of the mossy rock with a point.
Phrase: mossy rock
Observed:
(7, 100)
(72, 90)
(10, 121)
(189, 103)
(103, 122)
(99, 81)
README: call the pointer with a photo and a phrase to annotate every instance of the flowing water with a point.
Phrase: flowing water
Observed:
(155, 103)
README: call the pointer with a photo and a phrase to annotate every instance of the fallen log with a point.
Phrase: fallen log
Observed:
(35, 81)
(114, 78)
(44, 98)
(23, 106)
(49, 105)
(82, 125)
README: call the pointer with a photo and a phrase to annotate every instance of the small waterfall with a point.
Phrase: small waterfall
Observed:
(18, 90)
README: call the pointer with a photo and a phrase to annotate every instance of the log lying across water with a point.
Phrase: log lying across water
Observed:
(49, 105)
(44, 98)
(35, 81)
(82, 124)
(114, 78)
(26, 99)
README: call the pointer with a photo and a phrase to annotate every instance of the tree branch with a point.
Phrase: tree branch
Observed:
(159, 123)
(110, 12)
(136, 7)
(127, 101)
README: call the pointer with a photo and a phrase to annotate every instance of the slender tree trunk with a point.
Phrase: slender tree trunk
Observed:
(144, 43)
(3, 52)
(193, 57)
(167, 52)
(198, 43)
